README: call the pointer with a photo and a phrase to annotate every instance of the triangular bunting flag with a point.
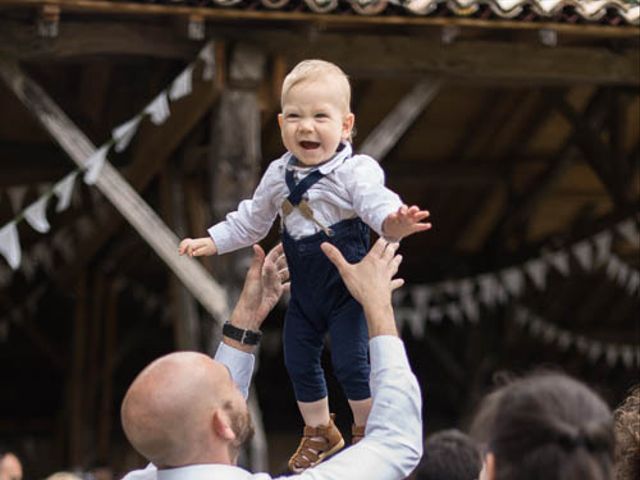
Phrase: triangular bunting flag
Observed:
(611, 355)
(470, 309)
(420, 295)
(465, 287)
(453, 313)
(491, 290)
(94, 164)
(36, 215)
(630, 356)
(123, 134)
(158, 109)
(416, 323)
(182, 85)
(513, 280)
(613, 266)
(10, 245)
(560, 261)
(208, 56)
(582, 344)
(629, 231)
(602, 242)
(564, 340)
(549, 333)
(623, 275)
(584, 254)
(434, 314)
(594, 351)
(537, 270)
(63, 190)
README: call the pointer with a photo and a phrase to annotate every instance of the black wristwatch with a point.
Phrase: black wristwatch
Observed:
(246, 337)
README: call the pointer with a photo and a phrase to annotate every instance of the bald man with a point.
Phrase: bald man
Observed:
(186, 413)
(10, 467)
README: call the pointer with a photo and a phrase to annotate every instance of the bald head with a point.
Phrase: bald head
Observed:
(180, 410)
(10, 467)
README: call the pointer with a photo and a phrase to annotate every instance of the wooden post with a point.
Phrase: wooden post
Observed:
(113, 186)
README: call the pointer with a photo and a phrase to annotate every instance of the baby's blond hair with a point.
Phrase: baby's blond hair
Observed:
(315, 69)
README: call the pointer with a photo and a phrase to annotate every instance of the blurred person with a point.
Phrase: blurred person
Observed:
(185, 414)
(449, 455)
(545, 426)
(10, 466)
(627, 429)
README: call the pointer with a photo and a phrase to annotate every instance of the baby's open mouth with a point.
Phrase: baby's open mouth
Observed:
(309, 145)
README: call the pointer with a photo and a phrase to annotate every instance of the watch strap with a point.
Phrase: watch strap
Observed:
(246, 337)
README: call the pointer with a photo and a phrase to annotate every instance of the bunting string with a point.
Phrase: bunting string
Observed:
(35, 214)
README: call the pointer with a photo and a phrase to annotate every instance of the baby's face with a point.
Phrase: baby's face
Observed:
(314, 120)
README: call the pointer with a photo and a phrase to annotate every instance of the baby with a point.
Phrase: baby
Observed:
(323, 192)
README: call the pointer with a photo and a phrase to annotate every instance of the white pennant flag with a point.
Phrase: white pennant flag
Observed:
(537, 270)
(582, 344)
(634, 282)
(549, 334)
(158, 109)
(16, 197)
(470, 309)
(613, 266)
(416, 323)
(603, 246)
(623, 275)
(584, 254)
(123, 134)
(465, 287)
(208, 55)
(435, 314)
(182, 85)
(421, 295)
(491, 290)
(453, 313)
(564, 340)
(536, 326)
(611, 355)
(94, 164)
(36, 215)
(63, 190)
(10, 245)
(513, 280)
(594, 351)
(629, 231)
(630, 356)
(560, 260)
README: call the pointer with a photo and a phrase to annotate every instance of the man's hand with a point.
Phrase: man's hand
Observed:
(197, 247)
(371, 282)
(264, 284)
(404, 222)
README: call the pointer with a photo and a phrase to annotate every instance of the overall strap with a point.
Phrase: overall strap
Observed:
(297, 191)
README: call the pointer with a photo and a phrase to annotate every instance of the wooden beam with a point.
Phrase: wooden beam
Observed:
(391, 129)
(118, 191)
(261, 17)
(20, 40)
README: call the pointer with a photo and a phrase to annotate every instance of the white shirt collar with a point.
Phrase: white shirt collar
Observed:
(204, 472)
(328, 167)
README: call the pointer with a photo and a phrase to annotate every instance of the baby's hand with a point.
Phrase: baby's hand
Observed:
(404, 222)
(197, 247)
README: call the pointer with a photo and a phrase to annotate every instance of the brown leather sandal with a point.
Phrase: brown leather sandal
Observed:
(357, 433)
(317, 444)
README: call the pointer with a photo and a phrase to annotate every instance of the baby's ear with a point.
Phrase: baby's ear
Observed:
(280, 120)
(347, 125)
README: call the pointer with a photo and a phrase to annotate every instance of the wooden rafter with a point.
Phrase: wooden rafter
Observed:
(117, 190)
(391, 129)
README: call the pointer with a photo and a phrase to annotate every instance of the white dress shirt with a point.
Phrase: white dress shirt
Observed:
(353, 186)
(390, 449)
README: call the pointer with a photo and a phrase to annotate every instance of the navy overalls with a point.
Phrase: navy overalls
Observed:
(321, 303)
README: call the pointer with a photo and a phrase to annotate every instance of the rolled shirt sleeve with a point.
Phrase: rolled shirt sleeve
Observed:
(240, 365)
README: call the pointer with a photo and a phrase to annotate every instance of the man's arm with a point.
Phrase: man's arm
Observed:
(264, 284)
(392, 445)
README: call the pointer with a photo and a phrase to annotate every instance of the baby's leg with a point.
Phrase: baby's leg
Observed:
(349, 354)
(303, 343)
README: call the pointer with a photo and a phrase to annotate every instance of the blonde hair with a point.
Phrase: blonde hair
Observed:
(315, 69)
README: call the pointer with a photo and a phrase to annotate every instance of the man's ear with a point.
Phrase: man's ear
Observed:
(347, 126)
(222, 425)
(488, 467)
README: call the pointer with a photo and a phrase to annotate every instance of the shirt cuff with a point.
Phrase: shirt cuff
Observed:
(221, 236)
(387, 352)
(240, 365)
